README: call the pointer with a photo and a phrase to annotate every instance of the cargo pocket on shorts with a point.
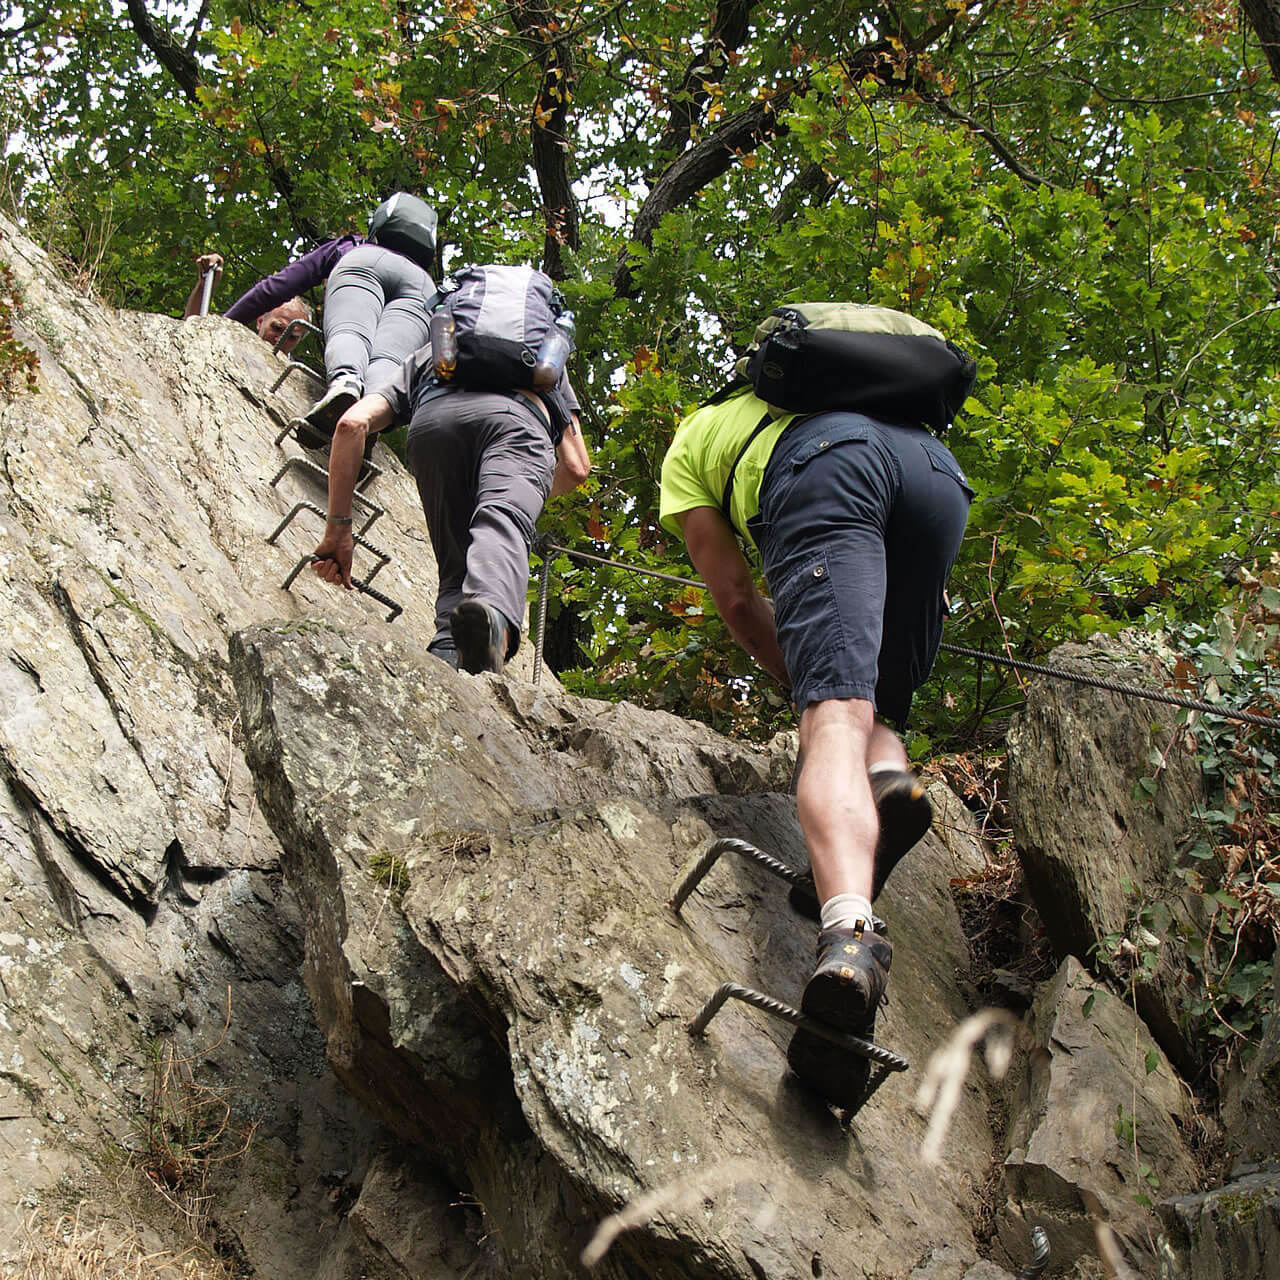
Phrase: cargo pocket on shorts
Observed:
(840, 433)
(808, 614)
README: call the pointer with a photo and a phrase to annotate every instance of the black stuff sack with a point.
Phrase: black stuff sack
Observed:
(407, 225)
(812, 357)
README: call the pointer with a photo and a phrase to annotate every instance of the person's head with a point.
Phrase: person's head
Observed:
(277, 320)
(407, 225)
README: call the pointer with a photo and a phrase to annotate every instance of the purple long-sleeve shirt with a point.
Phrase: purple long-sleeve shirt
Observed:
(303, 273)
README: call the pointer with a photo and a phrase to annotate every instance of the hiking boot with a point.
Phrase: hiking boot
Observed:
(480, 634)
(838, 1075)
(442, 647)
(905, 818)
(848, 983)
(323, 416)
(845, 991)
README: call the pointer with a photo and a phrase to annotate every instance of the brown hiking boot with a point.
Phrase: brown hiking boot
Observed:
(845, 991)
(905, 818)
(848, 984)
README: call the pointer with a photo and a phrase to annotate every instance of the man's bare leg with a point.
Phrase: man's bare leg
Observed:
(833, 796)
(841, 828)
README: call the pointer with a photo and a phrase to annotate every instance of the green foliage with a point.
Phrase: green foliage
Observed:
(18, 364)
(1083, 197)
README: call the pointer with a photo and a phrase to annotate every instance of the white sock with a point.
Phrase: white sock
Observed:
(845, 910)
(883, 766)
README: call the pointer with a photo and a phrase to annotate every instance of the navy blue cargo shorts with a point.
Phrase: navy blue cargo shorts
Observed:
(859, 525)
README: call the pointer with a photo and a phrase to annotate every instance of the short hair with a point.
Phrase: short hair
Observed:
(300, 308)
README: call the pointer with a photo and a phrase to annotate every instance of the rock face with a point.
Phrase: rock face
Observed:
(484, 873)
(141, 885)
(409, 927)
(1097, 1125)
(1227, 1234)
(1083, 751)
(476, 875)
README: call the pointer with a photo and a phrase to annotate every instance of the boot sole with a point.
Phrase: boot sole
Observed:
(836, 1001)
(838, 1075)
(905, 818)
(472, 635)
(323, 417)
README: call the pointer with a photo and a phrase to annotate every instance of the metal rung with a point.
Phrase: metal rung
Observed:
(317, 472)
(393, 610)
(369, 470)
(299, 325)
(362, 584)
(290, 426)
(297, 364)
(1034, 1266)
(311, 506)
(887, 1062)
(799, 879)
(684, 887)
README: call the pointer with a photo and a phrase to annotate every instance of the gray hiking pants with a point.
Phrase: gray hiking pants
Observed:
(484, 464)
(375, 314)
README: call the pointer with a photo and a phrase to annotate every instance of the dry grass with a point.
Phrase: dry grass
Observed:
(674, 1197)
(70, 1249)
(948, 1069)
(189, 1132)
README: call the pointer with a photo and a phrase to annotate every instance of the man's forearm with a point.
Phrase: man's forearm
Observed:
(753, 626)
(573, 462)
(368, 415)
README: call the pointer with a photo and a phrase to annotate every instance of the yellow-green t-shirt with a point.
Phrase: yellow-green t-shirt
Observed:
(697, 465)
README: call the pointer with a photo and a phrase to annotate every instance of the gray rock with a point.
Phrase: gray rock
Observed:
(1081, 751)
(410, 1224)
(1095, 1127)
(140, 887)
(1228, 1233)
(496, 973)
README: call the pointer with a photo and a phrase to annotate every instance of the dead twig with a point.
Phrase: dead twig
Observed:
(948, 1068)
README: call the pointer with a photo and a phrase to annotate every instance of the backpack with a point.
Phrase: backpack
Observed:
(501, 318)
(407, 225)
(811, 357)
(502, 326)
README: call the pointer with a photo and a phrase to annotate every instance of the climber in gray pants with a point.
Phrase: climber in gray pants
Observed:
(375, 314)
(485, 463)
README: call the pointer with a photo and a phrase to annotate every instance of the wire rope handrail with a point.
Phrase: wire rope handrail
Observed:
(544, 546)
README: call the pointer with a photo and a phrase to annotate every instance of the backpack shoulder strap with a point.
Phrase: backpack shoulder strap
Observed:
(727, 496)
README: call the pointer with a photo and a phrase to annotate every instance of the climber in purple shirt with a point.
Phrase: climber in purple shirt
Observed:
(376, 302)
(271, 325)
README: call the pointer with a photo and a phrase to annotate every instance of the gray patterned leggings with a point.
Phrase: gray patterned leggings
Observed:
(375, 314)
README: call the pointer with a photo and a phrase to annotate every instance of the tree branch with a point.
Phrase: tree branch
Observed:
(166, 48)
(711, 157)
(988, 135)
(812, 183)
(1264, 17)
(702, 164)
(536, 22)
(728, 33)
